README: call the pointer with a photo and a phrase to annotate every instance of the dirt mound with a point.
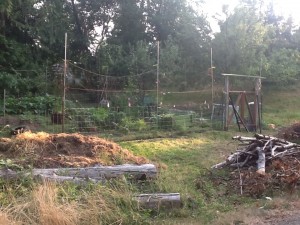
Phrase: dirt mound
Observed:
(43, 150)
(291, 133)
(282, 174)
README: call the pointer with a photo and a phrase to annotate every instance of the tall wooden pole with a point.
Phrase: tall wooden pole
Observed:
(157, 78)
(4, 105)
(226, 103)
(212, 79)
(64, 87)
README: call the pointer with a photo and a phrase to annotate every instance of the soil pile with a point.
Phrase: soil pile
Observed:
(291, 133)
(43, 150)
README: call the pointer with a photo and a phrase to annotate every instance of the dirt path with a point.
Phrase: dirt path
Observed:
(291, 220)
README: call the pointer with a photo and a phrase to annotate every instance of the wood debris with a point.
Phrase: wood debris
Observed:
(262, 164)
(258, 151)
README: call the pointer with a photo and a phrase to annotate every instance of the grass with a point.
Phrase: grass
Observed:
(186, 159)
(281, 106)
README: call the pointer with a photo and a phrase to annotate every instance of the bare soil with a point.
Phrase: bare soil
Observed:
(43, 150)
(290, 133)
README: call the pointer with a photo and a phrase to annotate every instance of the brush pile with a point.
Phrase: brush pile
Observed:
(262, 164)
(259, 151)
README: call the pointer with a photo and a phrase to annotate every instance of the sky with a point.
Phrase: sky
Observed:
(282, 7)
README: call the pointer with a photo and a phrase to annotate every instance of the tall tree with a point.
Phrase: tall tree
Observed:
(240, 45)
(130, 26)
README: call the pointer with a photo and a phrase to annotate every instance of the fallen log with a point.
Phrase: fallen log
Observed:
(61, 179)
(145, 171)
(93, 174)
(158, 201)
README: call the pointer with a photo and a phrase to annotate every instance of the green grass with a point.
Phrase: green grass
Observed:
(187, 159)
(281, 106)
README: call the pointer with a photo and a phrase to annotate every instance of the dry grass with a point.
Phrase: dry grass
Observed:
(39, 136)
(42, 150)
(41, 207)
(5, 220)
(49, 204)
(49, 210)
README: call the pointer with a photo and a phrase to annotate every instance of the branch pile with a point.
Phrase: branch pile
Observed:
(262, 164)
(259, 151)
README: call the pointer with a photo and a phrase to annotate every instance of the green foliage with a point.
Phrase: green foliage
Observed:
(240, 53)
(134, 125)
(283, 65)
(8, 164)
(37, 105)
(8, 81)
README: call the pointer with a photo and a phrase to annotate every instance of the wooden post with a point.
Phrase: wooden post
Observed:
(256, 104)
(157, 80)
(258, 97)
(242, 106)
(226, 103)
(64, 88)
(4, 103)
(212, 78)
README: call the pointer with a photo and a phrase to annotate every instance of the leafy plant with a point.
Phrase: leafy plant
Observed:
(36, 105)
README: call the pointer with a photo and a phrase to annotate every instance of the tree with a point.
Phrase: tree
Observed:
(130, 27)
(240, 45)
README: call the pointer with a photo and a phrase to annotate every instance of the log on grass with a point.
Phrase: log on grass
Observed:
(9, 174)
(140, 172)
(62, 179)
(158, 200)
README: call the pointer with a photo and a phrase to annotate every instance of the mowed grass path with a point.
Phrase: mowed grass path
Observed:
(182, 161)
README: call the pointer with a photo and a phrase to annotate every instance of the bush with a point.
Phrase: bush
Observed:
(36, 105)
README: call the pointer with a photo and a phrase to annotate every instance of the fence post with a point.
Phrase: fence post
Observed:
(4, 103)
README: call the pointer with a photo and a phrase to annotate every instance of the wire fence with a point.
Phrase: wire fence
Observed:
(97, 103)
(106, 117)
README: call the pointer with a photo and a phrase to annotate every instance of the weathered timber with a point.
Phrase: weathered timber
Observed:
(258, 151)
(145, 171)
(158, 200)
(61, 179)
(261, 162)
(92, 174)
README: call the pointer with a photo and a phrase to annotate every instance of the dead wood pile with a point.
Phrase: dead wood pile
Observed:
(258, 151)
(262, 164)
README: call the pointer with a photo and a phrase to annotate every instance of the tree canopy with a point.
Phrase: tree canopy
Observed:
(119, 39)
